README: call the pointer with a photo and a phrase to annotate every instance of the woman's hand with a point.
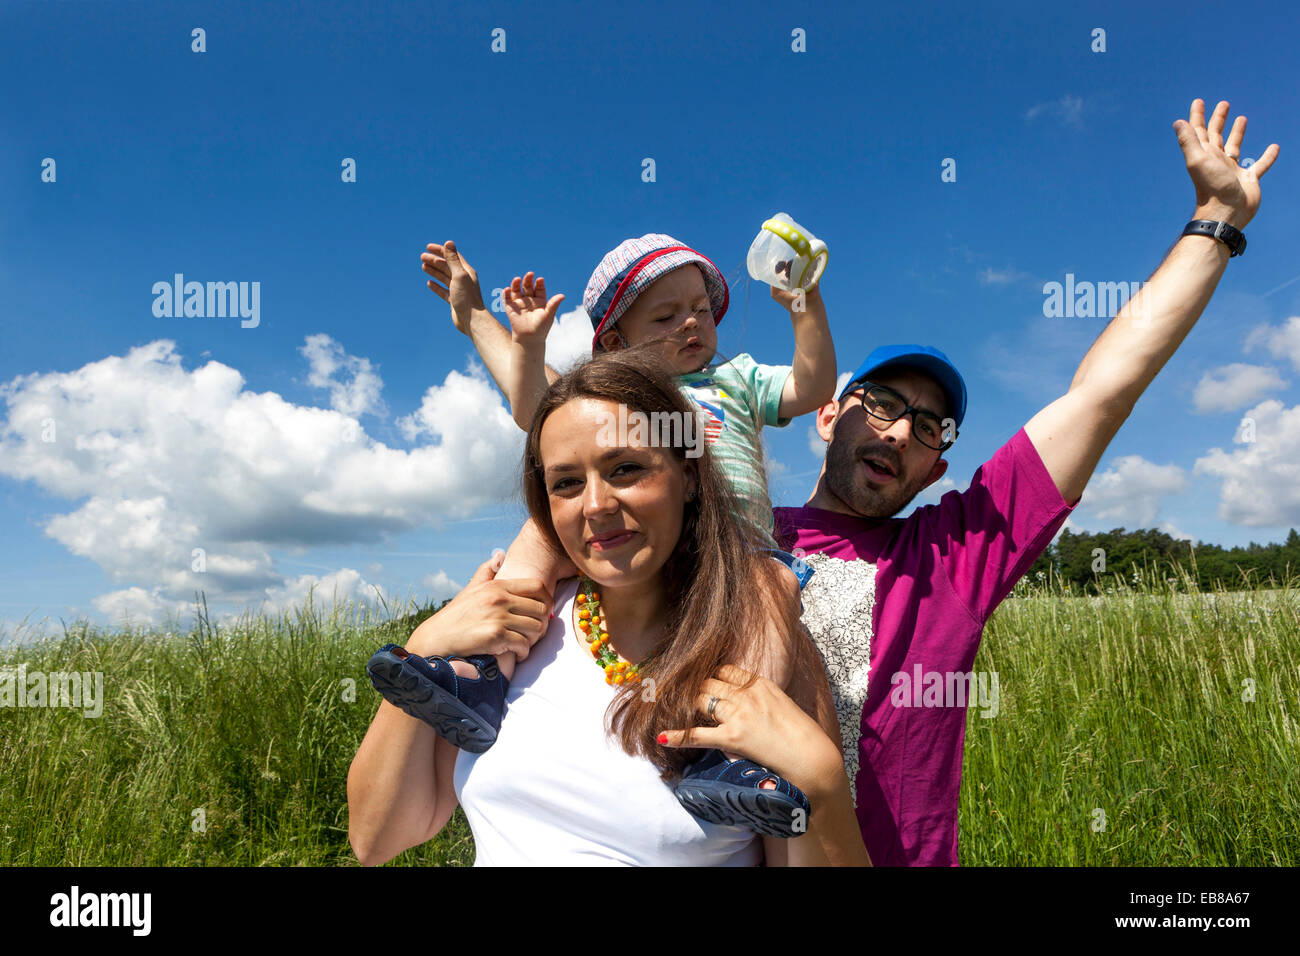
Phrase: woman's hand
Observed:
(486, 617)
(762, 723)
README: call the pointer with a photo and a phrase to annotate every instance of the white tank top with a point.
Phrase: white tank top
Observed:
(557, 790)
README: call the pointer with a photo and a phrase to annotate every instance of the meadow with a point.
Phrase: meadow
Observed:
(1156, 725)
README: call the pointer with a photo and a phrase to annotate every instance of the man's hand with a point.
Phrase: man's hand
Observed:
(459, 287)
(529, 312)
(1225, 191)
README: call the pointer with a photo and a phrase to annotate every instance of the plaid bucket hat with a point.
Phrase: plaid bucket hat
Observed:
(628, 269)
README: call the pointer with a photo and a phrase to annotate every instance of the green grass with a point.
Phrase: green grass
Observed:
(1131, 704)
(250, 723)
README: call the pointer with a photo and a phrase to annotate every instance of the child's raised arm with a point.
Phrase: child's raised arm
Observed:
(530, 316)
(460, 290)
(812, 384)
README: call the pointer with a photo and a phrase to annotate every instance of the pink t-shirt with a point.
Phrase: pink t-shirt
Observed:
(907, 599)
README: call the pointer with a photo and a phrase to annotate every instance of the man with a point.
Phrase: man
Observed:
(941, 572)
(897, 600)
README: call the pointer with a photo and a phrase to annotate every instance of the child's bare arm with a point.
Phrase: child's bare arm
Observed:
(530, 315)
(812, 383)
(460, 290)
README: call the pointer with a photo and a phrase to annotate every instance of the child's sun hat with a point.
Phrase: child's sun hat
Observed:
(630, 268)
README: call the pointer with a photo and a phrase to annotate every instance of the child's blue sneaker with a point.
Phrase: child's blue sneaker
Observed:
(728, 792)
(465, 711)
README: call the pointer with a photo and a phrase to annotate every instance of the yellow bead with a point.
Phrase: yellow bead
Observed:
(584, 626)
(618, 678)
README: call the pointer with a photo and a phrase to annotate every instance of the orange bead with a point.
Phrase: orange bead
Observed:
(584, 626)
(584, 614)
(595, 595)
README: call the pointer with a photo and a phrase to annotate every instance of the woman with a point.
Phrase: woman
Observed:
(578, 770)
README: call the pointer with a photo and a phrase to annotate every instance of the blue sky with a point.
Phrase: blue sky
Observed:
(178, 433)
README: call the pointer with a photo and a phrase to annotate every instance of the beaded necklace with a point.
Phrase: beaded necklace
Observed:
(592, 624)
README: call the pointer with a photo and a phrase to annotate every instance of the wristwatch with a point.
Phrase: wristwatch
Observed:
(1230, 236)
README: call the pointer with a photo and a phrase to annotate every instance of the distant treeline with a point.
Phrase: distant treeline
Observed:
(1071, 558)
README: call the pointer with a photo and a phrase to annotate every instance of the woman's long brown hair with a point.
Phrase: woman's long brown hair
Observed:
(711, 578)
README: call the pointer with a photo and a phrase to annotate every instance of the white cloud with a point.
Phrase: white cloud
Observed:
(165, 460)
(356, 391)
(1281, 341)
(440, 586)
(1129, 493)
(338, 587)
(816, 444)
(1234, 386)
(569, 341)
(1007, 276)
(1068, 109)
(1261, 478)
(138, 607)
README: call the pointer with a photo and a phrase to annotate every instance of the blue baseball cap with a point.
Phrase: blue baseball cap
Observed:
(926, 359)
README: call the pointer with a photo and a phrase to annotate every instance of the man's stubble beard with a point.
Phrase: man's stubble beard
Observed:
(846, 480)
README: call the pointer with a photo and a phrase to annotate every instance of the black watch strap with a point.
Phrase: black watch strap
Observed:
(1230, 236)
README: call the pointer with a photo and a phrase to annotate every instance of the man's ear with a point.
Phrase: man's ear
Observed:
(826, 416)
(936, 472)
(611, 340)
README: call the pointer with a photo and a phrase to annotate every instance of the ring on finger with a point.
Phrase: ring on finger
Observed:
(713, 703)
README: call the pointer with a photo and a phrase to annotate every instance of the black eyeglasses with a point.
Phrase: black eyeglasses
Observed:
(887, 405)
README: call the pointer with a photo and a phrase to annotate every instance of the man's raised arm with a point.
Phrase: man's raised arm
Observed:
(1072, 433)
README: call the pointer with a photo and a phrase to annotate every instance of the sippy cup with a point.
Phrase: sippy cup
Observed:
(786, 255)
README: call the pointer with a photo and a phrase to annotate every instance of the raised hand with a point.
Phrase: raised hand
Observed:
(527, 308)
(1225, 191)
(459, 287)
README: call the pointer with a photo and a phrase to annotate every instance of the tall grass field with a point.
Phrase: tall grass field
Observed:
(1156, 725)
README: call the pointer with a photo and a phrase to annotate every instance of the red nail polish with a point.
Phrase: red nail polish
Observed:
(662, 738)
